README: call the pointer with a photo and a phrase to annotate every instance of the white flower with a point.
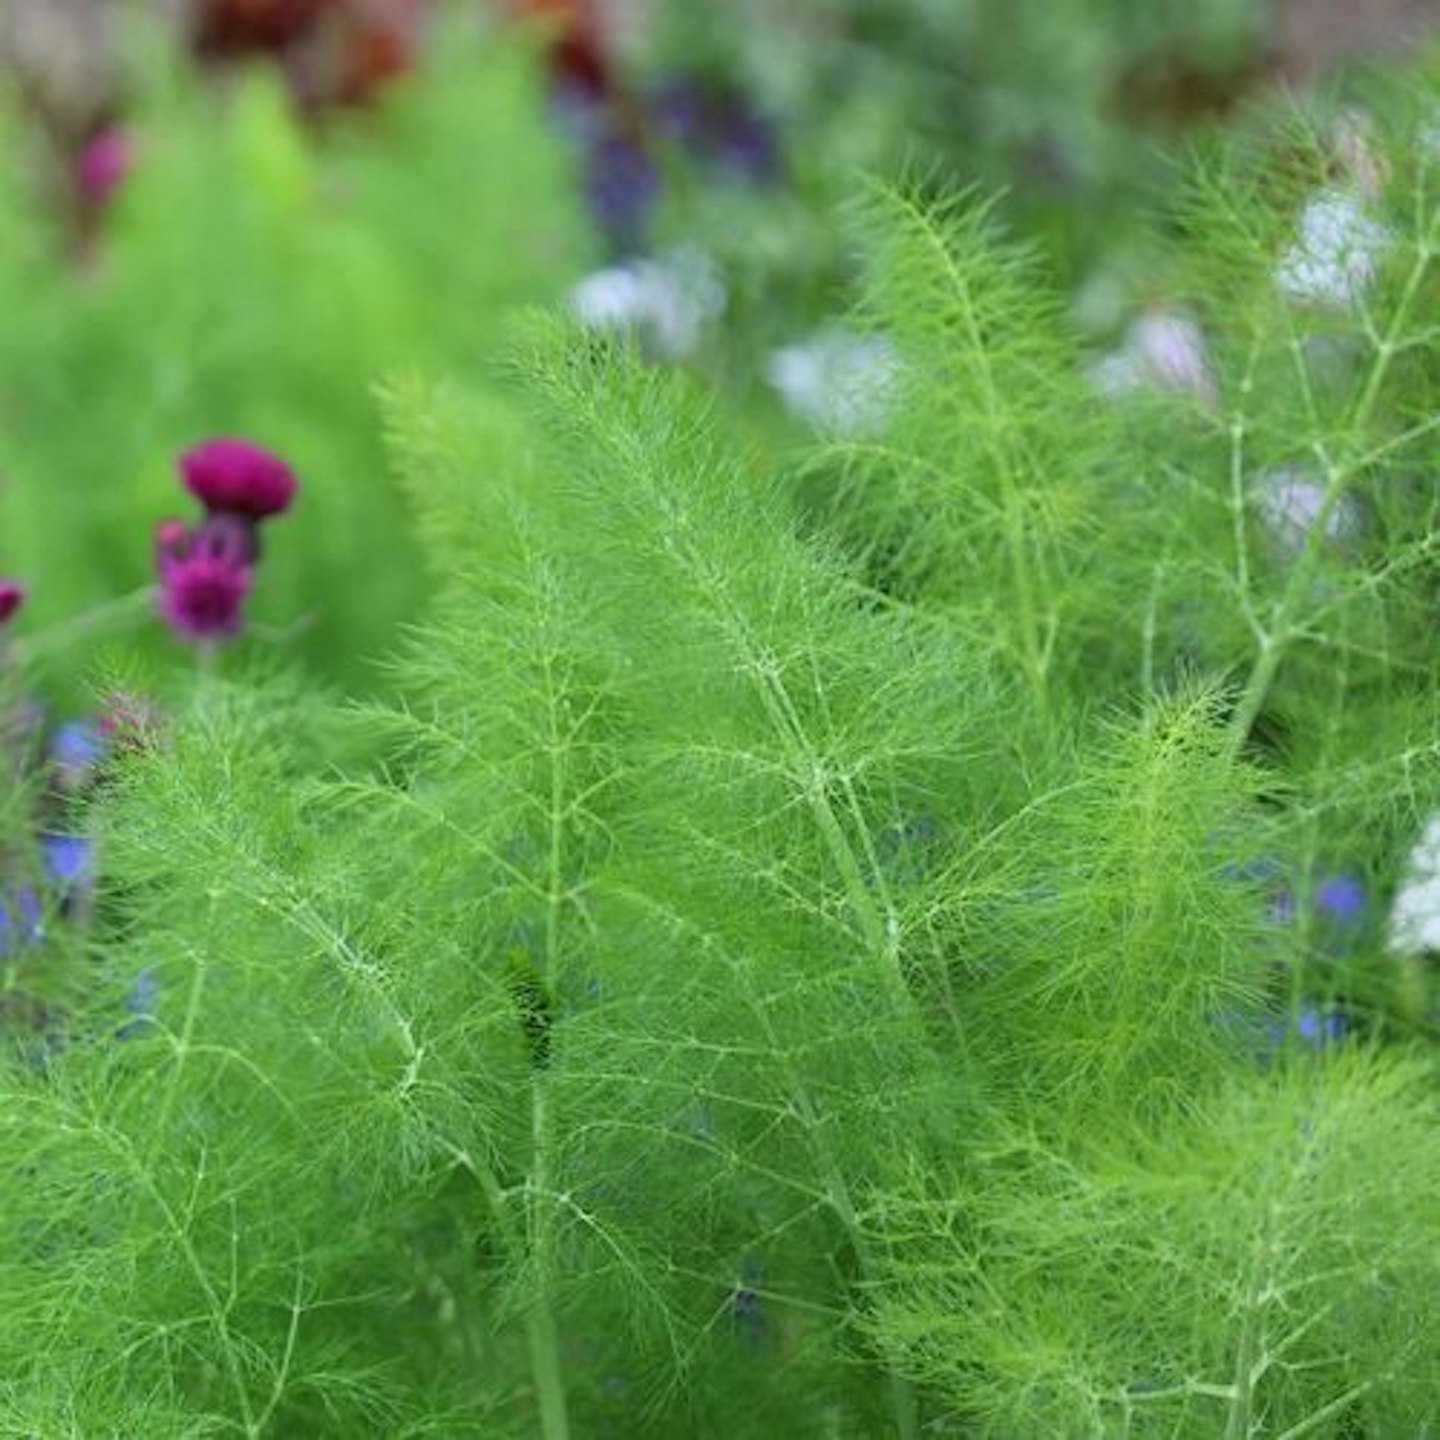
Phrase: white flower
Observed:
(665, 303)
(1161, 350)
(610, 299)
(1289, 502)
(840, 382)
(1415, 914)
(1118, 373)
(1338, 253)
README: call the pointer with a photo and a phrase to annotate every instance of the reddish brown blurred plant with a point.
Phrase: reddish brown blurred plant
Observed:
(225, 29)
(577, 48)
(333, 52)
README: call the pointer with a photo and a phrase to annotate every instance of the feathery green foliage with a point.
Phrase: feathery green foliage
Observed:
(795, 951)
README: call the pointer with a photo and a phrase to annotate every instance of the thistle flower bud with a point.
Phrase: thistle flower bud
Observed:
(206, 571)
(234, 477)
(205, 577)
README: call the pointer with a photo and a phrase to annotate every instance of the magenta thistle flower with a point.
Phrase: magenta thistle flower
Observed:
(12, 597)
(234, 477)
(104, 163)
(204, 577)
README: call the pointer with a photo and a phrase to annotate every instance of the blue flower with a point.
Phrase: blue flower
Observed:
(70, 859)
(1317, 1029)
(78, 745)
(1311, 1029)
(21, 919)
(1265, 1038)
(1337, 900)
(1341, 898)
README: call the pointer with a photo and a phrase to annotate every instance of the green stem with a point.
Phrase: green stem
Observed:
(540, 1328)
(541, 1331)
(904, 1402)
(541, 1334)
(1257, 690)
(545, 1371)
(1280, 633)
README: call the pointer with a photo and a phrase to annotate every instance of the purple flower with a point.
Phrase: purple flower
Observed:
(621, 188)
(578, 111)
(680, 107)
(235, 477)
(12, 597)
(717, 128)
(204, 577)
(104, 163)
(744, 143)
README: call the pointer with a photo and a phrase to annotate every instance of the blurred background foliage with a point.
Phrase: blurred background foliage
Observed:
(253, 280)
(339, 192)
